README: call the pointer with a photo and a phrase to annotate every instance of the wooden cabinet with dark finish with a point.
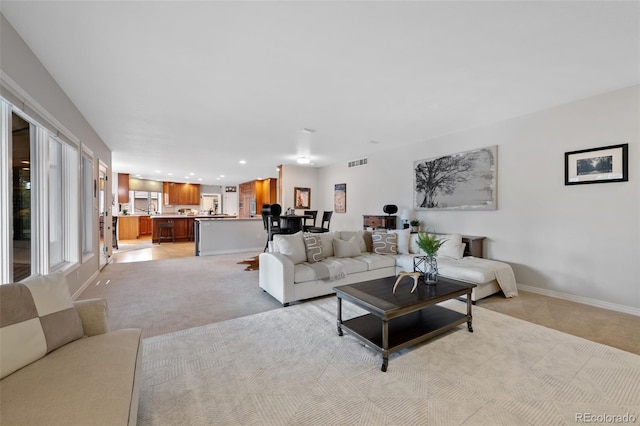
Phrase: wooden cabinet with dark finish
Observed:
(145, 225)
(379, 221)
(182, 228)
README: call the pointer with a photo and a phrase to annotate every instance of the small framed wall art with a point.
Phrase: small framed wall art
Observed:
(597, 165)
(340, 198)
(302, 197)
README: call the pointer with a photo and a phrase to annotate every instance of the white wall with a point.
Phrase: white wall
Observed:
(20, 65)
(300, 177)
(581, 241)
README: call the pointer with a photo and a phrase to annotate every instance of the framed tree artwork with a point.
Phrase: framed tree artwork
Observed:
(462, 181)
(340, 198)
(597, 165)
(302, 198)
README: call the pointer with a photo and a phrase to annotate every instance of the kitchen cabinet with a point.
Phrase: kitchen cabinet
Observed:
(128, 227)
(182, 228)
(123, 188)
(186, 194)
(247, 194)
(254, 194)
(145, 225)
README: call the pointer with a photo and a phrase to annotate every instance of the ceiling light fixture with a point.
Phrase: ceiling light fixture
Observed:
(303, 160)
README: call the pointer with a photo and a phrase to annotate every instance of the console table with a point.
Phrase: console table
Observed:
(379, 221)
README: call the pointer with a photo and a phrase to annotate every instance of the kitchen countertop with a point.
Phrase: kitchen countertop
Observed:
(193, 216)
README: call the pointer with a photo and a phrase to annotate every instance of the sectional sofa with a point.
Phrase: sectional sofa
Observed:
(303, 266)
(59, 362)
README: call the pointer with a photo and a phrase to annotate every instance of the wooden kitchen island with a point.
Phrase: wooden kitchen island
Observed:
(182, 225)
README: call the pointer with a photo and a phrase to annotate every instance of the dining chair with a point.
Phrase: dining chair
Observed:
(326, 219)
(305, 225)
(271, 221)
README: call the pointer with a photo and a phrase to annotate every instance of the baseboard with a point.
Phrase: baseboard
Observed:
(84, 286)
(242, 250)
(580, 299)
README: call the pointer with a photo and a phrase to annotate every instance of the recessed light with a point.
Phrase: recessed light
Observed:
(217, 178)
(243, 162)
(221, 175)
(191, 174)
(158, 171)
(169, 174)
(199, 179)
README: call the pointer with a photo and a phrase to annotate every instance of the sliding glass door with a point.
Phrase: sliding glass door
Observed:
(22, 136)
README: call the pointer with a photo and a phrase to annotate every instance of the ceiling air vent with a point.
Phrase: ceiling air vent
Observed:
(360, 162)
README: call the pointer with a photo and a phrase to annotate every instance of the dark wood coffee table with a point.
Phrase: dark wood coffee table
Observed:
(397, 321)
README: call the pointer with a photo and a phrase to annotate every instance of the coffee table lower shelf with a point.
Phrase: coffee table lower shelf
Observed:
(404, 331)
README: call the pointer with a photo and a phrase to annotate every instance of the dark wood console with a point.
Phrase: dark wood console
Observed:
(379, 221)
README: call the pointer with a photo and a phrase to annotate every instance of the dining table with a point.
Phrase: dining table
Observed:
(293, 222)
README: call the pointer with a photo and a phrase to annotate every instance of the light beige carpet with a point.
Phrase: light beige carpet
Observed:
(162, 296)
(288, 366)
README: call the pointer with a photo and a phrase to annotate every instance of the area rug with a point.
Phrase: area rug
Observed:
(288, 366)
(253, 263)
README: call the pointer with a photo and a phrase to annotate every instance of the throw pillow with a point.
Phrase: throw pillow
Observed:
(403, 239)
(327, 244)
(413, 244)
(344, 248)
(385, 243)
(313, 243)
(359, 238)
(36, 317)
(452, 246)
(292, 246)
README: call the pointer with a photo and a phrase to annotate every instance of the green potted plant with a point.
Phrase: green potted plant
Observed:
(415, 225)
(430, 243)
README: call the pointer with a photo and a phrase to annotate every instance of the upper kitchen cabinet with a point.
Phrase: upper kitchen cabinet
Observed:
(123, 188)
(186, 194)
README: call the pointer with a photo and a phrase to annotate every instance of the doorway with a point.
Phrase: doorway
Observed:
(105, 224)
(210, 202)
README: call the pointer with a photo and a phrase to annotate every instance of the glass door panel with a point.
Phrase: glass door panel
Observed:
(21, 134)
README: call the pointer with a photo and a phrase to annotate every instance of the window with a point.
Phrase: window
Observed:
(40, 190)
(63, 203)
(56, 226)
(88, 195)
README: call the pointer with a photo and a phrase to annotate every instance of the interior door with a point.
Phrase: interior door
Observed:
(105, 217)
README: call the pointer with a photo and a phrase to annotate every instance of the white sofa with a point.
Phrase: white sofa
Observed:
(289, 273)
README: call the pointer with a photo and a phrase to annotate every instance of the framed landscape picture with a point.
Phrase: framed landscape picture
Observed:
(597, 165)
(302, 198)
(340, 198)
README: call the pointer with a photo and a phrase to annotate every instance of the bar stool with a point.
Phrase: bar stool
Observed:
(169, 226)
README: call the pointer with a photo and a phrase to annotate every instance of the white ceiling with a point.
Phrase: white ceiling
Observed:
(194, 87)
